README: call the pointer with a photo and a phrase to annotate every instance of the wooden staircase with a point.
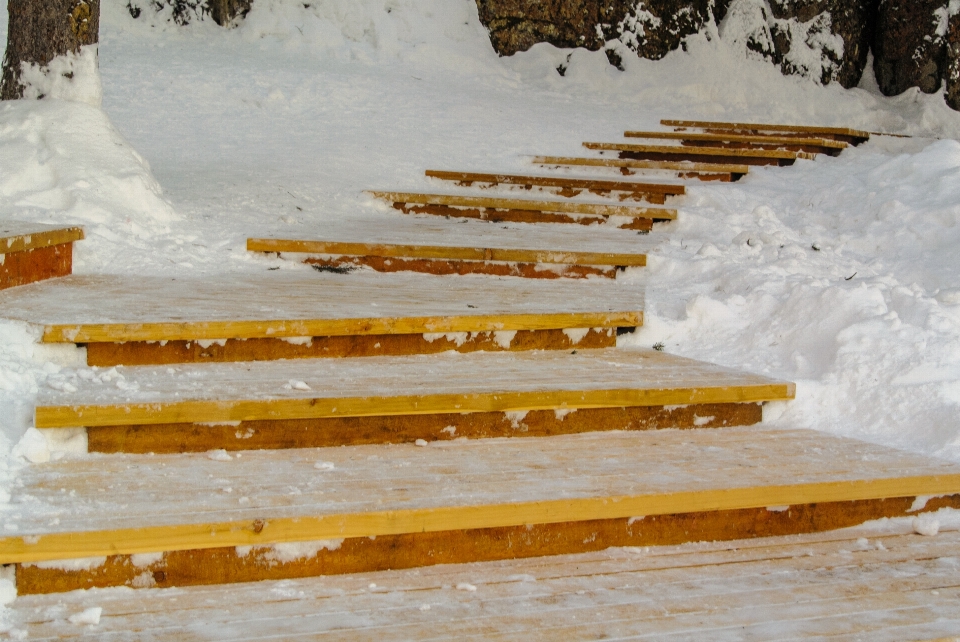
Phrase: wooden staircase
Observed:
(297, 423)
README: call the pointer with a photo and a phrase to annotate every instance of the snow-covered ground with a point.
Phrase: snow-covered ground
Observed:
(841, 274)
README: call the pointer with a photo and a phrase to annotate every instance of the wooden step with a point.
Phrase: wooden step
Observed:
(332, 402)
(515, 210)
(31, 252)
(302, 313)
(702, 154)
(842, 134)
(172, 520)
(747, 141)
(568, 187)
(394, 244)
(684, 169)
(885, 586)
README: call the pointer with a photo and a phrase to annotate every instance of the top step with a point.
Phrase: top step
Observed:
(270, 315)
(843, 134)
(31, 252)
(568, 187)
(746, 141)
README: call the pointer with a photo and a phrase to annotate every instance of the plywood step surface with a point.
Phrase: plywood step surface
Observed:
(465, 246)
(702, 154)
(747, 141)
(31, 252)
(237, 406)
(283, 314)
(723, 172)
(370, 507)
(845, 134)
(855, 584)
(527, 210)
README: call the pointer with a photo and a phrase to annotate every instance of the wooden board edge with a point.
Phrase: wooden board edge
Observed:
(445, 252)
(210, 330)
(41, 240)
(673, 166)
(700, 124)
(745, 138)
(566, 207)
(213, 411)
(268, 530)
(518, 180)
(701, 151)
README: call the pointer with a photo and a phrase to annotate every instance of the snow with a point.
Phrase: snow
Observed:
(840, 274)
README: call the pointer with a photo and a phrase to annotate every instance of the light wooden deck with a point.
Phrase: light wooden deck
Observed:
(685, 169)
(113, 505)
(741, 156)
(748, 141)
(18, 236)
(853, 136)
(423, 384)
(114, 308)
(855, 584)
(563, 186)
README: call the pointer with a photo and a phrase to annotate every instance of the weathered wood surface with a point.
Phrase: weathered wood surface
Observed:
(396, 429)
(703, 171)
(443, 267)
(304, 303)
(564, 186)
(140, 353)
(118, 504)
(523, 204)
(30, 266)
(422, 384)
(844, 134)
(18, 236)
(746, 141)
(718, 154)
(853, 584)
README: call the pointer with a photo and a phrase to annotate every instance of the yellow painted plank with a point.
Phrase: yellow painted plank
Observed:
(630, 163)
(702, 151)
(557, 181)
(738, 138)
(567, 207)
(422, 384)
(303, 303)
(368, 491)
(17, 236)
(800, 129)
(445, 252)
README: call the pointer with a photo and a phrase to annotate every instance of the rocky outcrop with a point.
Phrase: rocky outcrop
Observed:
(654, 28)
(951, 75)
(910, 45)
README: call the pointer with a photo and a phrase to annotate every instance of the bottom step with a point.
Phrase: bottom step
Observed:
(199, 519)
(882, 586)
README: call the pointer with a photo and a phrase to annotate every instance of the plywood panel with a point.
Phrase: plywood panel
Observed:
(627, 166)
(30, 266)
(388, 490)
(664, 152)
(423, 384)
(853, 136)
(20, 236)
(568, 186)
(792, 143)
(304, 303)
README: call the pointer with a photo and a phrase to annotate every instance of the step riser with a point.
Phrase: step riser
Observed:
(692, 156)
(567, 186)
(233, 350)
(446, 267)
(364, 554)
(351, 431)
(527, 216)
(720, 178)
(810, 149)
(850, 140)
(30, 266)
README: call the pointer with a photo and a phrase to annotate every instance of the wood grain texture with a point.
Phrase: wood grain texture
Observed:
(743, 156)
(366, 491)
(838, 133)
(557, 256)
(139, 353)
(685, 169)
(31, 266)
(349, 431)
(19, 236)
(641, 224)
(304, 303)
(565, 207)
(457, 266)
(813, 587)
(418, 550)
(406, 385)
(748, 141)
(568, 186)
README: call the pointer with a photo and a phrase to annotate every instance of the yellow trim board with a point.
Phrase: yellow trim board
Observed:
(630, 163)
(39, 239)
(738, 138)
(700, 151)
(445, 252)
(799, 129)
(529, 205)
(214, 411)
(558, 181)
(267, 530)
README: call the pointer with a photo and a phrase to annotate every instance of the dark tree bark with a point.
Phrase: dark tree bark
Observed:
(224, 11)
(908, 51)
(41, 30)
(952, 67)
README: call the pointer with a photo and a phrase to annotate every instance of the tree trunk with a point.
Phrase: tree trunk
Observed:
(41, 30)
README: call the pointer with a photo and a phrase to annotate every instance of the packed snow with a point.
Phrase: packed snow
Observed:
(840, 274)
